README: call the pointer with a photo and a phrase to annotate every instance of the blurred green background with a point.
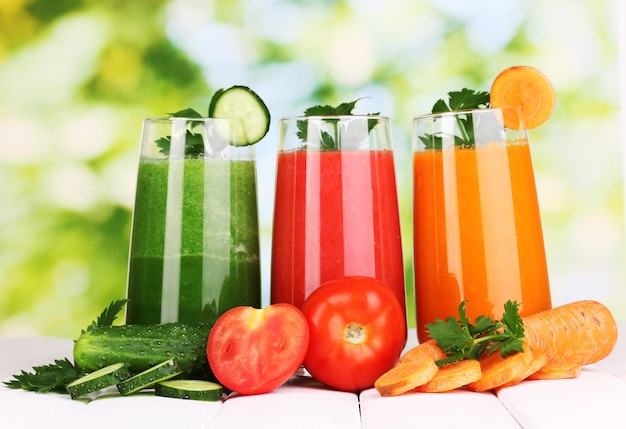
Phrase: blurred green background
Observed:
(78, 76)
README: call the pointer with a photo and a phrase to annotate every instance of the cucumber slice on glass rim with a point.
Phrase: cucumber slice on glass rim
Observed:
(246, 108)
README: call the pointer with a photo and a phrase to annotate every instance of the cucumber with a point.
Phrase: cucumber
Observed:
(163, 371)
(199, 390)
(141, 347)
(242, 104)
(97, 380)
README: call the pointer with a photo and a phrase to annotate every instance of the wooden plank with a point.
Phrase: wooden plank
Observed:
(593, 400)
(26, 410)
(301, 403)
(450, 410)
(142, 410)
(17, 354)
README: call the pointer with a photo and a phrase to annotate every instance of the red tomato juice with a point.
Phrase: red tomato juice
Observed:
(336, 214)
(477, 233)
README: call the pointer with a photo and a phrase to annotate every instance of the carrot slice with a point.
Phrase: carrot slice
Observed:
(406, 376)
(453, 376)
(557, 371)
(497, 371)
(428, 349)
(581, 332)
(539, 359)
(528, 88)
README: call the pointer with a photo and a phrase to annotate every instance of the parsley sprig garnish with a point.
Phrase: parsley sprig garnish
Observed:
(462, 100)
(108, 315)
(194, 143)
(45, 378)
(460, 339)
(458, 100)
(56, 376)
(328, 141)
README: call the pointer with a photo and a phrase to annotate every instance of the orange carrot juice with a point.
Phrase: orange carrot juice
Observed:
(477, 232)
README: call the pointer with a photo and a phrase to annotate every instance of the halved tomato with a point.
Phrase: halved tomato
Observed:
(252, 351)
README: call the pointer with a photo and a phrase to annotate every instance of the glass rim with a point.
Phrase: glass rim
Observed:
(184, 118)
(464, 111)
(340, 117)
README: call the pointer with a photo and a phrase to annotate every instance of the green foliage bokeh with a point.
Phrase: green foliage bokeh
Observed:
(78, 76)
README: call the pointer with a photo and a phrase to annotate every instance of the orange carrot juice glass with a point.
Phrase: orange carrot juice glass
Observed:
(336, 206)
(477, 228)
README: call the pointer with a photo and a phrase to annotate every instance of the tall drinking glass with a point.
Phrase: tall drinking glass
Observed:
(477, 228)
(336, 207)
(194, 249)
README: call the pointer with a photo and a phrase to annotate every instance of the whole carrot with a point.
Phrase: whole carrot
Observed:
(581, 332)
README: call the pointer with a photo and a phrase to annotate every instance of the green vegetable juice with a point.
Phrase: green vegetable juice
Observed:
(195, 245)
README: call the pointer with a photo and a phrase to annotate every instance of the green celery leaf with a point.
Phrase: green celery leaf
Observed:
(512, 319)
(449, 334)
(45, 378)
(108, 315)
(458, 100)
(329, 142)
(440, 107)
(468, 99)
(186, 113)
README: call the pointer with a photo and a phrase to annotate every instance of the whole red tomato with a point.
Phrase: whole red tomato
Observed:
(357, 331)
(252, 351)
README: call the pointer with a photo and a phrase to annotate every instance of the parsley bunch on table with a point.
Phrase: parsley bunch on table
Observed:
(56, 376)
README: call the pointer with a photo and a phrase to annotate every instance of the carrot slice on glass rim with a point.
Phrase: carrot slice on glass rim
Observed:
(525, 87)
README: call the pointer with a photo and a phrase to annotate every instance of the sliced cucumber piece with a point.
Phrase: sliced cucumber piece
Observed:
(163, 371)
(199, 390)
(242, 104)
(97, 380)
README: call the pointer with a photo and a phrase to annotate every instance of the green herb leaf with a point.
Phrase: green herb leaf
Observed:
(108, 315)
(512, 320)
(464, 99)
(46, 378)
(328, 141)
(194, 142)
(55, 377)
(459, 339)
(186, 113)
(467, 99)
(440, 107)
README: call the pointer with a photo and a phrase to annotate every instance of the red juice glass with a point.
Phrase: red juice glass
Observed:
(336, 206)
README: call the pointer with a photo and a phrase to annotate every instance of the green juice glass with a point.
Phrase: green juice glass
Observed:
(194, 248)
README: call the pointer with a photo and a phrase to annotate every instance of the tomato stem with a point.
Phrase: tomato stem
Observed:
(354, 333)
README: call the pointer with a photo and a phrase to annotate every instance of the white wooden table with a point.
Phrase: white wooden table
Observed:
(596, 399)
